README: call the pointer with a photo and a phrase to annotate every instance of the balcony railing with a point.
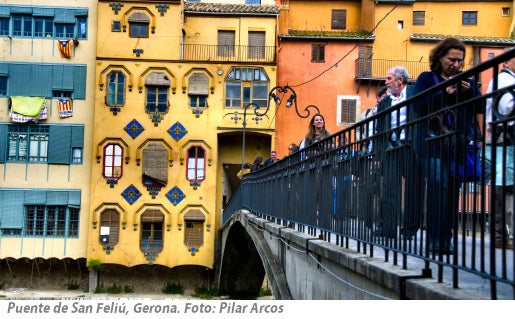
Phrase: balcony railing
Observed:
(376, 69)
(228, 53)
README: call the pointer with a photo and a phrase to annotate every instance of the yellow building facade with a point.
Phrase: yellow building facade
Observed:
(172, 85)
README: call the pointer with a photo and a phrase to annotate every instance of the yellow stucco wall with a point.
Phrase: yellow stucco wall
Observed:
(162, 52)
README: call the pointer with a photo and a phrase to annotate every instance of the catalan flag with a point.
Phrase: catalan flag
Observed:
(65, 46)
(65, 107)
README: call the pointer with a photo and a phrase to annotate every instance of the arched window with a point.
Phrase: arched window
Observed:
(194, 231)
(196, 164)
(115, 89)
(157, 85)
(198, 89)
(113, 161)
(138, 25)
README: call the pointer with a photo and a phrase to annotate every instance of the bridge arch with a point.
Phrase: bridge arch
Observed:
(242, 269)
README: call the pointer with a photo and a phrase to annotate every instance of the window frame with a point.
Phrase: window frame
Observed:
(244, 85)
(111, 160)
(339, 19)
(419, 17)
(50, 221)
(469, 17)
(318, 52)
(109, 221)
(348, 109)
(33, 148)
(196, 163)
(113, 98)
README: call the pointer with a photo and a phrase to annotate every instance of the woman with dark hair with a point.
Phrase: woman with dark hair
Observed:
(257, 165)
(316, 131)
(445, 61)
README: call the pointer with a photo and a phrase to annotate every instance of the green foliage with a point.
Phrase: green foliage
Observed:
(204, 293)
(172, 288)
(95, 264)
(128, 289)
(265, 292)
(114, 289)
(100, 289)
(73, 285)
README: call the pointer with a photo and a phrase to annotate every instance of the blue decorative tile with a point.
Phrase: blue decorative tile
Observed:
(177, 131)
(131, 194)
(134, 128)
(175, 195)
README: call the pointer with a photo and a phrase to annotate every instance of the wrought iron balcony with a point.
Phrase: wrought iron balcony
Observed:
(376, 69)
(228, 53)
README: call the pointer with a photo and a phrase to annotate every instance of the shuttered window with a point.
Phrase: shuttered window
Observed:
(226, 43)
(194, 231)
(348, 111)
(339, 19)
(419, 17)
(138, 25)
(155, 165)
(256, 45)
(318, 53)
(198, 84)
(110, 226)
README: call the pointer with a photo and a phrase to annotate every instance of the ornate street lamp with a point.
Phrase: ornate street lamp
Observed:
(292, 101)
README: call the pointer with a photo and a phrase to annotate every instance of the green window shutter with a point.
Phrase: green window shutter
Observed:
(34, 197)
(57, 197)
(77, 136)
(3, 142)
(74, 198)
(79, 81)
(59, 144)
(11, 208)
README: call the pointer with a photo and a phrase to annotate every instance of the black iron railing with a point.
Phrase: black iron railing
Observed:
(369, 185)
(228, 53)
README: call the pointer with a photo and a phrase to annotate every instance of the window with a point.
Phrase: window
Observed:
(51, 221)
(22, 25)
(109, 227)
(506, 12)
(65, 30)
(82, 27)
(256, 45)
(56, 221)
(194, 232)
(469, 18)
(61, 94)
(348, 108)
(155, 166)
(43, 22)
(317, 53)
(196, 164)
(113, 161)
(28, 143)
(419, 17)
(339, 19)
(152, 222)
(43, 27)
(246, 85)
(116, 26)
(37, 212)
(4, 26)
(50, 144)
(198, 89)
(252, 1)
(226, 43)
(3, 85)
(157, 84)
(76, 155)
(400, 24)
(138, 25)
(115, 89)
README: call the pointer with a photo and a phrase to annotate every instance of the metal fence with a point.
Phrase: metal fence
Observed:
(383, 189)
(228, 53)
